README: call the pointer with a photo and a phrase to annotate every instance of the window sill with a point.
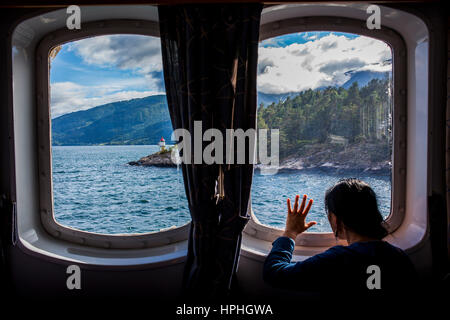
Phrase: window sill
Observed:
(40, 244)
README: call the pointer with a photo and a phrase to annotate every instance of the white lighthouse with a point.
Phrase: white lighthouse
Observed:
(162, 145)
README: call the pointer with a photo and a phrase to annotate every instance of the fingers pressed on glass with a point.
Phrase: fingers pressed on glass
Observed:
(303, 204)
(289, 205)
(308, 207)
(296, 203)
(310, 224)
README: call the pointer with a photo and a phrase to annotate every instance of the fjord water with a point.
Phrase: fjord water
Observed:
(95, 190)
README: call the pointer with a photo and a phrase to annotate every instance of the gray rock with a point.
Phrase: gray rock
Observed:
(157, 160)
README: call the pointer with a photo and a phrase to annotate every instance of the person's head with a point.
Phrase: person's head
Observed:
(351, 205)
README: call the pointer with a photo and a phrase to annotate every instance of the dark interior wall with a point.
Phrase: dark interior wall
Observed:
(8, 19)
(43, 277)
(38, 278)
(439, 236)
(436, 18)
(448, 139)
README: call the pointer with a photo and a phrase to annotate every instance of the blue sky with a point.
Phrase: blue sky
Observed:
(104, 69)
(302, 37)
(68, 66)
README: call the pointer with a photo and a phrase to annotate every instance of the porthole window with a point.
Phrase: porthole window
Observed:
(111, 174)
(332, 94)
(329, 94)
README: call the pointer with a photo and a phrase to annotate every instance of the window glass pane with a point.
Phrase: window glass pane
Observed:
(108, 108)
(329, 94)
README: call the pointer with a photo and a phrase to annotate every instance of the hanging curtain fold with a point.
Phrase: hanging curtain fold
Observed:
(210, 60)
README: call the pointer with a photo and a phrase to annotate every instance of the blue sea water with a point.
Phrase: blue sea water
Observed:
(95, 190)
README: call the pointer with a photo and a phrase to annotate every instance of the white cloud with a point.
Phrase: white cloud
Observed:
(318, 63)
(69, 97)
(138, 56)
(126, 52)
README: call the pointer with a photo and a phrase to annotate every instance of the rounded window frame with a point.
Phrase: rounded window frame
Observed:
(46, 208)
(399, 117)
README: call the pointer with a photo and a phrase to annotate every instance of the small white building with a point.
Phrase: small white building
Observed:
(162, 144)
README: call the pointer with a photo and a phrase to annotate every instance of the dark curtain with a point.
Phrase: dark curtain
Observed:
(210, 60)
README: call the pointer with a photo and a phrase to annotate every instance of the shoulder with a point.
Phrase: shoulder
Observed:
(332, 255)
(384, 253)
(399, 255)
(364, 251)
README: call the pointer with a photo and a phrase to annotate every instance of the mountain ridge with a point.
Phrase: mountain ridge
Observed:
(362, 77)
(135, 121)
(145, 120)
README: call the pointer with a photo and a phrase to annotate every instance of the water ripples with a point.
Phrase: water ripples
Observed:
(95, 190)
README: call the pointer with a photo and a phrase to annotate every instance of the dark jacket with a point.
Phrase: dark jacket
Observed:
(340, 268)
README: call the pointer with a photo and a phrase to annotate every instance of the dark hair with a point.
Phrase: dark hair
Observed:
(355, 204)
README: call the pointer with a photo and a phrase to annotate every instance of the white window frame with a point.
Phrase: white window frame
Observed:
(34, 240)
(46, 208)
(399, 117)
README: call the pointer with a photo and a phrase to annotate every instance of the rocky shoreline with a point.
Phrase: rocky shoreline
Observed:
(159, 159)
(313, 157)
(298, 165)
(328, 157)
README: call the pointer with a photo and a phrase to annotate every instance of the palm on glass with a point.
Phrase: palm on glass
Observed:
(296, 218)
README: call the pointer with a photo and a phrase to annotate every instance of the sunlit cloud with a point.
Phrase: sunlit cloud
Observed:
(323, 61)
(289, 63)
(108, 69)
(138, 53)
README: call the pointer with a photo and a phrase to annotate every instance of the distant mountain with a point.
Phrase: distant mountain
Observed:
(145, 120)
(136, 121)
(362, 77)
(268, 98)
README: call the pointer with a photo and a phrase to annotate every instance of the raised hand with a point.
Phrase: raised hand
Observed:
(295, 220)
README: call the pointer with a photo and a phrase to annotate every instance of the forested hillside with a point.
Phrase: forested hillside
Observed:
(346, 127)
(333, 118)
(136, 121)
